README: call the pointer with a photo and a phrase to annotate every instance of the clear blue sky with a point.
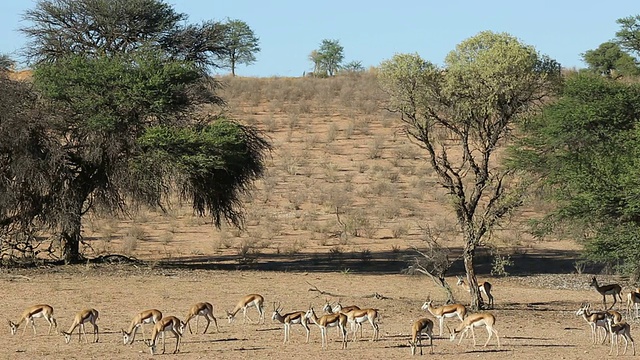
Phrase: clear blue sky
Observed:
(372, 31)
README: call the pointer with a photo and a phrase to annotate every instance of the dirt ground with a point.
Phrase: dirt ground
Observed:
(532, 321)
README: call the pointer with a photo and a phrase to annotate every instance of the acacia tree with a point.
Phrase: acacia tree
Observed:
(609, 60)
(123, 84)
(327, 58)
(629, 34)
(241, 45)
(461, 115)
(585, 151)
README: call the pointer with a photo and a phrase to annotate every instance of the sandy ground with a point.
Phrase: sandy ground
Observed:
(532, 322)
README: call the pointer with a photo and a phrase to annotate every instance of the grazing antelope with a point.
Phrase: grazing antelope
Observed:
(82, 317)
(484, 287)
(166, 324)
(476, 320)
(419, 326)
(597, 320)
(246, 302)
(445, 311)
(205, 310)
(604, 290)
(633, 299)
(144, 317)
(32, 312)
(357, 316)
(620, 329)
(297, 317)
(329, 320)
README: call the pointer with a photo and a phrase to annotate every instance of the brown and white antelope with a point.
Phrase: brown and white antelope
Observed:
(205, 310)
(357, 316)
(245, 303)
(620, 329)
(32, 312)
(150, 316)
(329, 320)
(292, 318)
(476, 320)
(604, 290)
(424, 325)
(82, 317)
(597, 320)
(484, 287)
(167, 324)
(633, 299)
(445, 311)
(332, 309)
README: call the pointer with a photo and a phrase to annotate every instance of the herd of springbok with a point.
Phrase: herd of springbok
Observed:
(338, 316)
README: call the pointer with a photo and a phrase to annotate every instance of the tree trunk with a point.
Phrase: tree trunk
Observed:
(476, 298)
(70, 234)
(71, 237)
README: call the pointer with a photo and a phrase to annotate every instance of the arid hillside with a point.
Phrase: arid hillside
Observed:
(344, 183)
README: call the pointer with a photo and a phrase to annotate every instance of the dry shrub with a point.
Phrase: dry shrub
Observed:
(363, 125)
(375, 148)
(332, 132)
(270, 124)
(129, 245)
(400, 229)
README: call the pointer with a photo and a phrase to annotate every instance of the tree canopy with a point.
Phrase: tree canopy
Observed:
(328, 58)
(585, 150)
(461, 114)
(124, 121)
(241, 45)
(610, 60)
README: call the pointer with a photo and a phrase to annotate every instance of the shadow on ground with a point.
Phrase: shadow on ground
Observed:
(384, 262)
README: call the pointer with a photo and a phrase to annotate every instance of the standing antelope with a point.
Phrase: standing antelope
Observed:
(604, 290)
(484, 287)
(297, 317)
(167, 324)
(246, 302)
(205, 310)
(620, 329)
(633, 299)
(597, 320)
(328, 308)
(445, 311)
(338, 308)
(357, 317)
(329, 320)
(82, 317)
(144, 317)
(32, 312)
(419, 326)
(476, 320)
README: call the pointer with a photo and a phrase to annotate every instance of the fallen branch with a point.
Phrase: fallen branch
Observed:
(321, 292)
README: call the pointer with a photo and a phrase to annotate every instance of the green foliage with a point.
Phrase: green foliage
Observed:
(629, 34)
(214, 164)
(138, 85)
(353, 67)
(328, 58)
(609, 58)
(585, 148)
(241, 45)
